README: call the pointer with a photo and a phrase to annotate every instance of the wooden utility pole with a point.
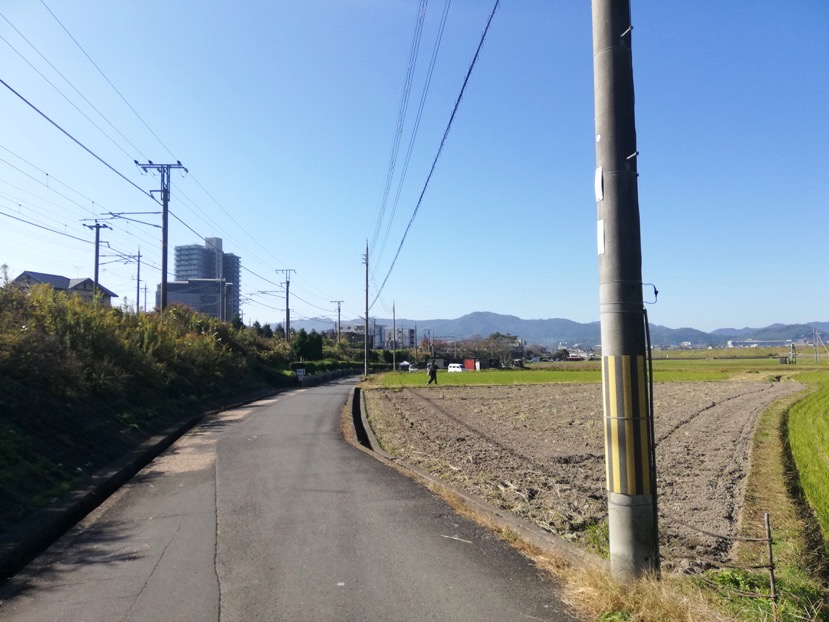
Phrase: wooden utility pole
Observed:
(631, 477)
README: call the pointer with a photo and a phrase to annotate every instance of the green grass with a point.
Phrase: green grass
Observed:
(590, 372)
(494, 377)
(809, 441)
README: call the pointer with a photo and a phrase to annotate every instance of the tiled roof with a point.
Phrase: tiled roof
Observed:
(55, 280)
(58, 282)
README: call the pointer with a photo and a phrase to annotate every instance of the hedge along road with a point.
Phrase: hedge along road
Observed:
(266, 513)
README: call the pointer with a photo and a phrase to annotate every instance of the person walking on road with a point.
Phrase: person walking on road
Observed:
(433, 373)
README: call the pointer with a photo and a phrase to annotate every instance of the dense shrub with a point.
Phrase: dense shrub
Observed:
(81, 384)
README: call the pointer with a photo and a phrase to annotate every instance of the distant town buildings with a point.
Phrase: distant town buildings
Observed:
(406, 338)
(84, 287)
(355, 332)
(207, 279)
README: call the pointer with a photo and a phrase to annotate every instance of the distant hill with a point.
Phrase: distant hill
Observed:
(553, 331)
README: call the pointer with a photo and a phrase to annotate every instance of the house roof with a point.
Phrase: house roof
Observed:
(58, 282)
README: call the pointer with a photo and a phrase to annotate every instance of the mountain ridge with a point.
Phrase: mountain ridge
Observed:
(552, 331)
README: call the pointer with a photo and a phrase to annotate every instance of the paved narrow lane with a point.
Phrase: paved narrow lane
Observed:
(265, 513)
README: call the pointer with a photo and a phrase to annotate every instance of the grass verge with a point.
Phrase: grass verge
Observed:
(799, 556)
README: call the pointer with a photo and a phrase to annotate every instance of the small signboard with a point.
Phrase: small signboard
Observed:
(300, 373)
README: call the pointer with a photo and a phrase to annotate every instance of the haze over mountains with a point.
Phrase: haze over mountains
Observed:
(557, 330)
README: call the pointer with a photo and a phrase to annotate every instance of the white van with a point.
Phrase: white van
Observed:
(454, 367)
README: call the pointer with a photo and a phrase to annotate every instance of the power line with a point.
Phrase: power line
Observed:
(202, 237)
(107, 79)
(76, 141)
(68, 235)
(221, 207)
(34, 224)
(62, 94)
(412, 139)
(35, 179)
(401, 115)
(440, 148)
(69, 82)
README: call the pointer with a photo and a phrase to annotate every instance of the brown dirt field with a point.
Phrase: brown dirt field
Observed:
(538, 451)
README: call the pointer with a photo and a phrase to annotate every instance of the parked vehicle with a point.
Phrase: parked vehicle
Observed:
(413, 368)
(454, 367)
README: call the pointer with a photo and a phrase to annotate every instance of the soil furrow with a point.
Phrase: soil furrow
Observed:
(538, 451)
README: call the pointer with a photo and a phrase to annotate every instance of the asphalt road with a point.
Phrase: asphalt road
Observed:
(266, 513)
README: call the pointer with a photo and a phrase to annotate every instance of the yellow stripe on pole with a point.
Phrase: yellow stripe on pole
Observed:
(614, 426)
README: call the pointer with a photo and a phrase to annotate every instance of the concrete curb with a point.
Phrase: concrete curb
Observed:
(527, 532)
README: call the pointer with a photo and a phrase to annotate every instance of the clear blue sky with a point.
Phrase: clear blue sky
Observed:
(285, 114)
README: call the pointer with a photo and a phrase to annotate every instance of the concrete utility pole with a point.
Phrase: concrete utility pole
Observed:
(287, 272)
(393, 337)
(138, 284)
(339, 302)
(631, 478)
(164, 171)
(365, 343)
(97, 226)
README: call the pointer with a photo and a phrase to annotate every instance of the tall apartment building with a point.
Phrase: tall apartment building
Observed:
(201, 272)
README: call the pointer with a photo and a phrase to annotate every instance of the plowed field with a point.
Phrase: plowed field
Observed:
(538, 451)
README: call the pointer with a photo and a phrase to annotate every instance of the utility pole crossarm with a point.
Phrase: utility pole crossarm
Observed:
(97, 226)
(164, 172)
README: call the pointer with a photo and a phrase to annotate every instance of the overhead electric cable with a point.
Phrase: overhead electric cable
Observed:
(77, 142)
(221, 207)
(48, 177)
(440, 148)
(107, 79)
(229, 215)
(62, 94)
(310, 304)
(435, 49)
(34, 224)
(43, 198)
(202, 237)
(401, 116)
(259, 260)
(35, 179)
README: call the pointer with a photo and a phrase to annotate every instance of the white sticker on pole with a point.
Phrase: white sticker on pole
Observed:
(598, 184)
(600, 236)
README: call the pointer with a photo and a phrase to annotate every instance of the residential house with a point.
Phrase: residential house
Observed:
(85, 288)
